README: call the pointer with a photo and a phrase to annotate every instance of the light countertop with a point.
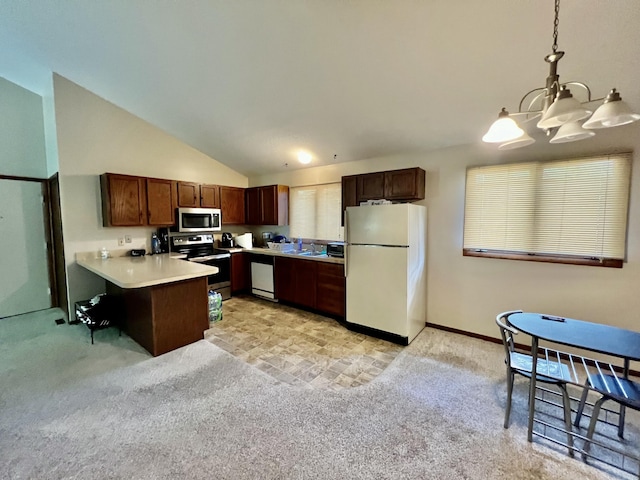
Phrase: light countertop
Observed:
(138, 272)
(275, 253)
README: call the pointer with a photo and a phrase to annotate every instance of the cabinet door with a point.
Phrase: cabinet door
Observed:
(370, 186)
(240, 272)
(253, 206)
(123, 200)
(405, 184)
(331, 289)
(209, 196)
(305, 283)
(349, 194)
(188, 194)
(232, 205)
(161, 202)
(284, 273)
(269, 205)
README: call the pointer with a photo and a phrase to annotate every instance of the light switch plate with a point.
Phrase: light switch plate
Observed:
(121, 241)
(127, 238)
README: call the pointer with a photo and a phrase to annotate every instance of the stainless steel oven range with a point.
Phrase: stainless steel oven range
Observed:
(198, 247)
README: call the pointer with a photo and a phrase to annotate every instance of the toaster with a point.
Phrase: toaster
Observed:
(335, 249)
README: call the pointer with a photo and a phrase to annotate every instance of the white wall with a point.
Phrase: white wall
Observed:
(465, 292)
(22, 144)
(94, 137)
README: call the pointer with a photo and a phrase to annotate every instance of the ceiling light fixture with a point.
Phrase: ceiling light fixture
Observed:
(560, 112)
(304, 157)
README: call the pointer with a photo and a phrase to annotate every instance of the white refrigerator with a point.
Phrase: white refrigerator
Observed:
(385, 269)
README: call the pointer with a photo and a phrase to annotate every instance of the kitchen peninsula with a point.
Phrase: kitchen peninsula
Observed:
(163, 299)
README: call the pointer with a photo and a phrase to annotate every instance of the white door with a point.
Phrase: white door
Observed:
(378, 224)
(377, 287)
(24, 282)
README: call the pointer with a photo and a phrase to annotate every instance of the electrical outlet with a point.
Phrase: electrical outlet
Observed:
(127, 238)
(121, 241)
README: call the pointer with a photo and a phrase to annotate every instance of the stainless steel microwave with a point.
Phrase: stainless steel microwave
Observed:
(199, 220)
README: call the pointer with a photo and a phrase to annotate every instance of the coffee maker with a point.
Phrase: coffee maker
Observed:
(226, 241)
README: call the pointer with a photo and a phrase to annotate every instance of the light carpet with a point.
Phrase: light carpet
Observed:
(73, 410)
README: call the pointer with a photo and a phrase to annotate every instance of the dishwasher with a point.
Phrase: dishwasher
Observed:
(262, 284)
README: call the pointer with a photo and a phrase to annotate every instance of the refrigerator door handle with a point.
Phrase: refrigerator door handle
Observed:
(346, 239)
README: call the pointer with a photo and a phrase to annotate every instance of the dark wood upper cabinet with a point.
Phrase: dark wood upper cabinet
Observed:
(404, 184)
(252, 205)
(210, 196)
(188, 194)
(349, 191)
(123, 200)
(161, 202)
(371, 186)
(232, 205)
(267, 205)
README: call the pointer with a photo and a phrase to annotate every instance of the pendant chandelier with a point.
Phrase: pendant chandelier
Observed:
(561, 115)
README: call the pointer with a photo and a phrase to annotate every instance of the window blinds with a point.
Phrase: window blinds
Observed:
(574, 207)
(315, 212)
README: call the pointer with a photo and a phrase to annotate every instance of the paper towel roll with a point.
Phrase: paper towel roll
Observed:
(245, 240)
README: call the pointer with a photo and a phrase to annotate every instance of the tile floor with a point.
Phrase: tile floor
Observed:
(297, 347)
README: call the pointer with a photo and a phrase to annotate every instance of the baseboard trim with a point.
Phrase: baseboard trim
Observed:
(519, 346)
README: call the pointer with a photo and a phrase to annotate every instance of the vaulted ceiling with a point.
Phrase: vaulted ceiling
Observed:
(251, 82)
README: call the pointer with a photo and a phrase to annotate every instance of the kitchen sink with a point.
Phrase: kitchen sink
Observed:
(310, 254)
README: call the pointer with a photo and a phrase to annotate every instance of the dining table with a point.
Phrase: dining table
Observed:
(594, 337)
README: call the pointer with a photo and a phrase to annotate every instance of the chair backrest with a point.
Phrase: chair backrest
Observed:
(507, 332)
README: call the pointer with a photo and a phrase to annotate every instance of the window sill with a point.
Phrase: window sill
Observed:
(532, 257)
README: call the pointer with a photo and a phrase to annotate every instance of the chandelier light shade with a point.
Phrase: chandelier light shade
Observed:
(522, 141)
(504, 129)
(560, 111)
(612, 113)
(563, 110)
(571, 132)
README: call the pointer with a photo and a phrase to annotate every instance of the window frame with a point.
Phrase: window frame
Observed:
(555, 258)
(305, 239)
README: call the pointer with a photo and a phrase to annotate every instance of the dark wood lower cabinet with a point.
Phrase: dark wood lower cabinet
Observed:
(311, 284)
(330, 289)
(164, 317)
(240, 272)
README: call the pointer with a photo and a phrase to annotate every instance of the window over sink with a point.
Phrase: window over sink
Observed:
(315, 211)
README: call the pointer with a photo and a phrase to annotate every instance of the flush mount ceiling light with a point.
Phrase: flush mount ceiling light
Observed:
(560, 112)
(304, 157)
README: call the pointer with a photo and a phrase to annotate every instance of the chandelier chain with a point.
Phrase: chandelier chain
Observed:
(556, 21)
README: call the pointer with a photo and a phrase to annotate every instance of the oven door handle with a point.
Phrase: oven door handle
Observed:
(209, 257)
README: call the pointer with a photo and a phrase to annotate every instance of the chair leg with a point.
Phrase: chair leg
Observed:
(583, 400)
(592, 426)
(566, 404)
(507, 412)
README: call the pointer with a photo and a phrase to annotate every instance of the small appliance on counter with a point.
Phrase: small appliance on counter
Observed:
(245, 240)
(163, 235)
(227, 240)
(335, 249)
(266, 238)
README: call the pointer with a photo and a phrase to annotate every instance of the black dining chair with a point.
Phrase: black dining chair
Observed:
(618, 389)
(522, 364)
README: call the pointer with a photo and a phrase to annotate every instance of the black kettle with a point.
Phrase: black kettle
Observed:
(227, 240)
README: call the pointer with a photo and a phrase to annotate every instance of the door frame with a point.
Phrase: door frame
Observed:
(57, 280)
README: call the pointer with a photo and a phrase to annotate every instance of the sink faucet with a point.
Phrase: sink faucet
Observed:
(313, 247)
